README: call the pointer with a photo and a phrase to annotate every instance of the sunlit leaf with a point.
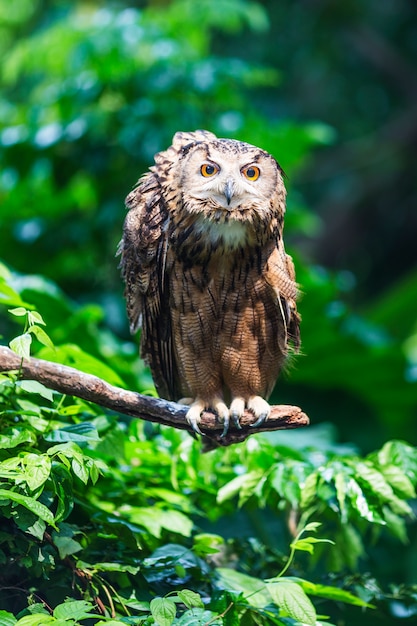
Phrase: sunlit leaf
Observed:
(292, 601)
(37, 469)
(18, 311)
(15, 436)
(190, 598)
(360, 503)
(21, 345)
(41, 336)
(73, 609)
(246, 482)
(35, 318)
(329, 592)
(33, 386)
(31, 504)
(163, 611)
(7, 619)
(254, 589)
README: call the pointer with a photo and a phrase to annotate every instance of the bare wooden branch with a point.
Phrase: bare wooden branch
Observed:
(70, 381)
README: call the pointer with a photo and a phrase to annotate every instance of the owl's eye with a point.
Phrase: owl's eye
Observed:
(208, 169)
(251, 173)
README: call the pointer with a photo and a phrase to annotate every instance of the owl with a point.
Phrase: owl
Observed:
(207, 278)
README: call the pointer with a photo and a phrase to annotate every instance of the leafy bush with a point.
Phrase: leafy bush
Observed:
(103, 515)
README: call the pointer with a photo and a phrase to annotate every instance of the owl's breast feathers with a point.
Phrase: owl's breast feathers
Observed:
(216, 299)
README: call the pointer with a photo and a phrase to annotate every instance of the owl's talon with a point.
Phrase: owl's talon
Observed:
(237, 409)
(193, 416)
(235, 419)
(260, 408)
(195, 427)
(261, 419)
(223, 414)
(225, 426)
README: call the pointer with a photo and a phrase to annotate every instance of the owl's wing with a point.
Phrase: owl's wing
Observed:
(144, 257)
(280, 275)
(294, 318)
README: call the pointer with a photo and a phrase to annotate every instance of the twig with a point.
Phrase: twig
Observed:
(71, 381)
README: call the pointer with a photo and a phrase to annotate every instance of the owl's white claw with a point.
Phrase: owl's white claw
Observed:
(260, 408)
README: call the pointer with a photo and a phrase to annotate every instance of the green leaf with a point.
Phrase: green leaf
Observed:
(155, 519)
(331, 593)
(37, 469)
(80, 470)
(8, 295)
(7, 619)
(74, 609)
(253, 589)
(206, 543)
(31, 504)
(12, 437)
(243, 484)
(163, 611)
(66, 546)
(36, 620)
(341, 482)
(35, 318)
(41, 336)
(18, 311)
(33, 386)
(374, 479)
(309, 490)
(111, 622)
(398, 481)
(21, 345)
(109, 567)
(396, 524)
(292, 601)
(203, 617)
(190, 598)
(360, 504)
(80, 433)
(306, 543)
(311, 527)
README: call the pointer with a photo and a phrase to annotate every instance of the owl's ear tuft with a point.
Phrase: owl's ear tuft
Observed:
(183, 139)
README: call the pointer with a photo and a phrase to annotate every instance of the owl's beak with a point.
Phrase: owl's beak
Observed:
(229, 190)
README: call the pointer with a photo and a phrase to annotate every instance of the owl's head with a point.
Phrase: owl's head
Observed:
(229, 176)
(223, 191)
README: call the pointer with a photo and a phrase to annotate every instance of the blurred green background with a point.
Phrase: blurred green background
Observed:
(91, 90)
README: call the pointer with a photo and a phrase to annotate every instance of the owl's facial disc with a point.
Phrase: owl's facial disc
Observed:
(227, 177)
(228, 186)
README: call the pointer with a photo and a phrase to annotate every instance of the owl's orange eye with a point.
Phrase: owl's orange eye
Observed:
(251, 173)
(208, 169)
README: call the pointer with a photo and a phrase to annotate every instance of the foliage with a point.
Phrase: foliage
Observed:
(128, 516)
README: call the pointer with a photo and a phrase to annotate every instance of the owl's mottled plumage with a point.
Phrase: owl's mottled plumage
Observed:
(207, 276)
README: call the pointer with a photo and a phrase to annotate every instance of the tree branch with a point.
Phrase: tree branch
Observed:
(70, 381)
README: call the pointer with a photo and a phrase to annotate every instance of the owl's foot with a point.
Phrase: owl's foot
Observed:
(197, 407)
(260, 408)
(257, 405)
(237, 409)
